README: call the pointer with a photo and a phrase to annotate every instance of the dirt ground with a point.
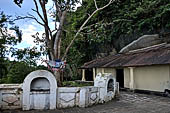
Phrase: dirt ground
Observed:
(127, 103)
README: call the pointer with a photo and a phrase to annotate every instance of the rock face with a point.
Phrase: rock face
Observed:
(142, 42)
(101, 55)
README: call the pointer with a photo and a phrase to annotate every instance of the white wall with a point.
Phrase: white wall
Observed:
(153, 78)
(66, 96)
(10, 96)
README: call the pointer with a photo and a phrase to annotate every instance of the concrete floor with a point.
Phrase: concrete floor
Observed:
(127, 103)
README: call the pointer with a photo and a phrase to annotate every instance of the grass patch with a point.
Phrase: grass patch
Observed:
(76, 84)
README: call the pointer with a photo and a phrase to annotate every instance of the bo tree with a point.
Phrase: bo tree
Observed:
(61, 10)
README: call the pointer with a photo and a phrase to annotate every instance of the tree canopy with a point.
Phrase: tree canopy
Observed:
(10, 36)
(118, 25)
(54, 37)
(108, 30)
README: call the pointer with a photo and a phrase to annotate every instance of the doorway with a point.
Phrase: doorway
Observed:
(89, 74)
(120, 77)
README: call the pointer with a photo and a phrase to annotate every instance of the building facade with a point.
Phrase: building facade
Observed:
(144, 69)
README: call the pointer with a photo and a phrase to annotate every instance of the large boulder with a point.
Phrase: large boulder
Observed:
(142, 42)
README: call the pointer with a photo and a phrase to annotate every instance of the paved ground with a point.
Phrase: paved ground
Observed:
(128, 103)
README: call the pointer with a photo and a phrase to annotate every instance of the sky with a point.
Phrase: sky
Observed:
(28, 27)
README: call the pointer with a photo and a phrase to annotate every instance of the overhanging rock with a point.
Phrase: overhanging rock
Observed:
(142, 42)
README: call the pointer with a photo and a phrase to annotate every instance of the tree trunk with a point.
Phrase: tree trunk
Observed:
(57, 75)
(54, 42)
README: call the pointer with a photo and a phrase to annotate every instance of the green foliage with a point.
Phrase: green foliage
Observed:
(29, 55)
(116, 26)
(17, 71)
(3, 68)
(14, 71)
(18, 2)
(7, 41)
(76, 84)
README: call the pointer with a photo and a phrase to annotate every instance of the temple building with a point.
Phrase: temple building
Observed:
(142, 69)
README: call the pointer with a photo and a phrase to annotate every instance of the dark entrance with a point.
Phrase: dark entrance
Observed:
(89, 75)
(120, 77)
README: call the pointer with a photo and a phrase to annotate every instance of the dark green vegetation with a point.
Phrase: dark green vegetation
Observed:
(110, 29)
(76, 84)
(116, 26)
(14, 71)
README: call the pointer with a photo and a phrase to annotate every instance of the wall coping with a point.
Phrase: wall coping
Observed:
(10, 86)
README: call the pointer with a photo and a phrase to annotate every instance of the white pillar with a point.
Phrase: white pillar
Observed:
(83, 75)
(131, 84)
(102, 70)
(94, 74)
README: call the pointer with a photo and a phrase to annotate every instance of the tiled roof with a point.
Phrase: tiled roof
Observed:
(155, 55)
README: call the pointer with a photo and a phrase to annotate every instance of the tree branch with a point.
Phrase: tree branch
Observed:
(58, 10)
(37, 11)
(95, 4)
(69, 46)
(28, 17)
(106, 5)
(48, 31)
(42, 3)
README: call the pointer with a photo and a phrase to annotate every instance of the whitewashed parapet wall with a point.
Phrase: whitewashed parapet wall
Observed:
(40, 91)
(68, 97)
(76, 96)
(107, 86)
(10, 96)
(105, 89)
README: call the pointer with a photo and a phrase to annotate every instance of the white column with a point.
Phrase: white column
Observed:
(102, 70)
(131, 84)
(94, 74)
(83, 75)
